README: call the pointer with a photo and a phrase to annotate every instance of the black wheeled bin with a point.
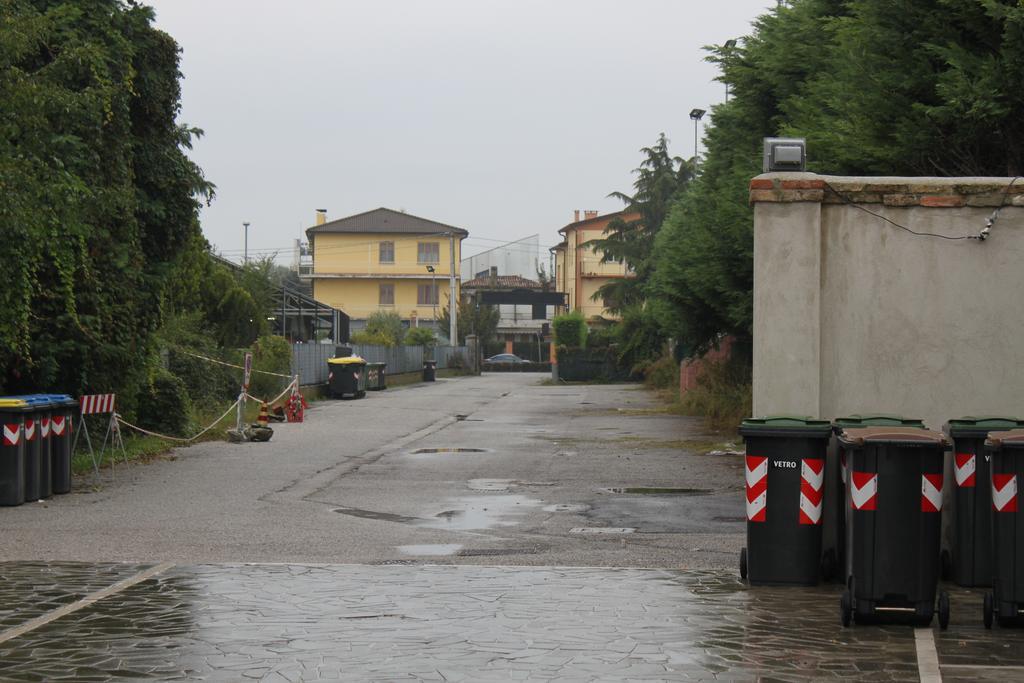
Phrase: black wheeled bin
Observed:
(1005, 602)
(429, 370)
(893, 531)
(785, 487)
(375, 376)
(347, 377)
(37, 448)
(12, 451)
(62, 415)
(972, 497)
(835, 558)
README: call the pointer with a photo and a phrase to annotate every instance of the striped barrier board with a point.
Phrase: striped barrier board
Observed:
(97, 404)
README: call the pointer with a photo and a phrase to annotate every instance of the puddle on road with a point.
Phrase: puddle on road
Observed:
(419, 451)
(566, 507)
(371, 514)
(481, 512)
(490, 484)
(659, 491)
(435, 550)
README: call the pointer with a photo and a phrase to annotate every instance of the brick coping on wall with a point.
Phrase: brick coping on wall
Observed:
(888, 191)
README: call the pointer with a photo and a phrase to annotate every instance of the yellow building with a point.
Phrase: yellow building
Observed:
(579, 272)
(385, 260)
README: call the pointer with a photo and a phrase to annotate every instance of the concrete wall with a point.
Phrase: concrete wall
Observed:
(853, 315)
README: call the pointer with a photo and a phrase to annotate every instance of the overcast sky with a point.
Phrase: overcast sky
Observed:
(499, 117)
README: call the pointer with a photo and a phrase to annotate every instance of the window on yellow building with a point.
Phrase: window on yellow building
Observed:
(387, 252)
(387, 295)
(428, 252)
(426, 295)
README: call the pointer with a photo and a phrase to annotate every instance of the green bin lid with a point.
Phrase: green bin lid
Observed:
(786, 425)
(979, 426)
(878, 420)
(1013, 438)
(348, 360)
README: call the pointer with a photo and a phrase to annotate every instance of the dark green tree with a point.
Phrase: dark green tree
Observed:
(629, 238)
(97, 197)
(472, 319)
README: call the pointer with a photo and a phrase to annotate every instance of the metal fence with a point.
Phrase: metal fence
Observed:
(309, 361)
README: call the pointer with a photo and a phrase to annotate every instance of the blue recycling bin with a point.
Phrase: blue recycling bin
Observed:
(62, 416)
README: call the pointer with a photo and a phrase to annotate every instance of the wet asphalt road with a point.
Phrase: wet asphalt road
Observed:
(333, 552)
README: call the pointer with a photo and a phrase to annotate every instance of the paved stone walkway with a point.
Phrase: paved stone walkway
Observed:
(358, 622)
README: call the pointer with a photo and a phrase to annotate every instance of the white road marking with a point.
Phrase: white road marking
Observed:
(927, 656)
(33, 624)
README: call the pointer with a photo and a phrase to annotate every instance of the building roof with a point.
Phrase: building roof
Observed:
(501, 282)
(385, 221)
(603, 217)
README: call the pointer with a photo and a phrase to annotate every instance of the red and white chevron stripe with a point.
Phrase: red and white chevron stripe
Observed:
(44, 428)
(931, 493)
(57, 425)
(30, 430)
(96, 404)
(12, 434)
(757, 488)
(1004, 492)
(812, 488)
(864, 490)
(964, 467)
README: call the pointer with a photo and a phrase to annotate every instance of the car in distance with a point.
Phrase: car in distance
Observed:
(505, 358)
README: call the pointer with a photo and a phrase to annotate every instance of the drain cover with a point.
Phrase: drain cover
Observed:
(449, 450)
(659, 491)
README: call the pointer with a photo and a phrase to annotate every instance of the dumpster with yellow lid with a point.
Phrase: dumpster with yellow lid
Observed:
(346, 377)
(12, 450)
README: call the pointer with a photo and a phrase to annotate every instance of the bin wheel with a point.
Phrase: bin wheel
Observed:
(943, 610)
(845, 608)
(946, 565)
(743, 563)
(829, 564)
(988, 608)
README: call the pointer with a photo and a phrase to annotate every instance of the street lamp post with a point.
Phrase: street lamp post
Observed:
(696, 115)
(730, 45)
(245, 258)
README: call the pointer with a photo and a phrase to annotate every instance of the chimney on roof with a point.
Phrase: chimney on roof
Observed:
(494, 276)
(321, 216)
(587, 215)
(576, 216)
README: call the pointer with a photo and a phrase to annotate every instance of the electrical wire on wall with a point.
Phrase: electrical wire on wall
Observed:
(981, 236)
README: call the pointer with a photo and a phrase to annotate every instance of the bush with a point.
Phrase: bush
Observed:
(384, 326)
(270, 354)
(570, 330)
(662, 373)
(163, 405)
(420, 336)
(365, 338)
(723, 395)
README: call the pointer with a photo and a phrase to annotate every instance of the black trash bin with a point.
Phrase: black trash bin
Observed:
(894, 526)
(38, 484)
(1005, 602)
(429, 370)
(12, 451)
(785, 486)
(972, 498)
(346, 377)
(835, 558)
(375, 376)
(62, 415)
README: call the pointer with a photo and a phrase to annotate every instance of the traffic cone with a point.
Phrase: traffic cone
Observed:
(264, 418)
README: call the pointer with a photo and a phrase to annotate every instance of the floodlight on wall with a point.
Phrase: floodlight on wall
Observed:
(785, 154)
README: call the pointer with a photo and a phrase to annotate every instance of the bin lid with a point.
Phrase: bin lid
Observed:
(903, 436)
(980, 426)
(12, 403)
(36, 400)
(786, 425)
(347, 360)
(878, 420)
(1013, 438)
